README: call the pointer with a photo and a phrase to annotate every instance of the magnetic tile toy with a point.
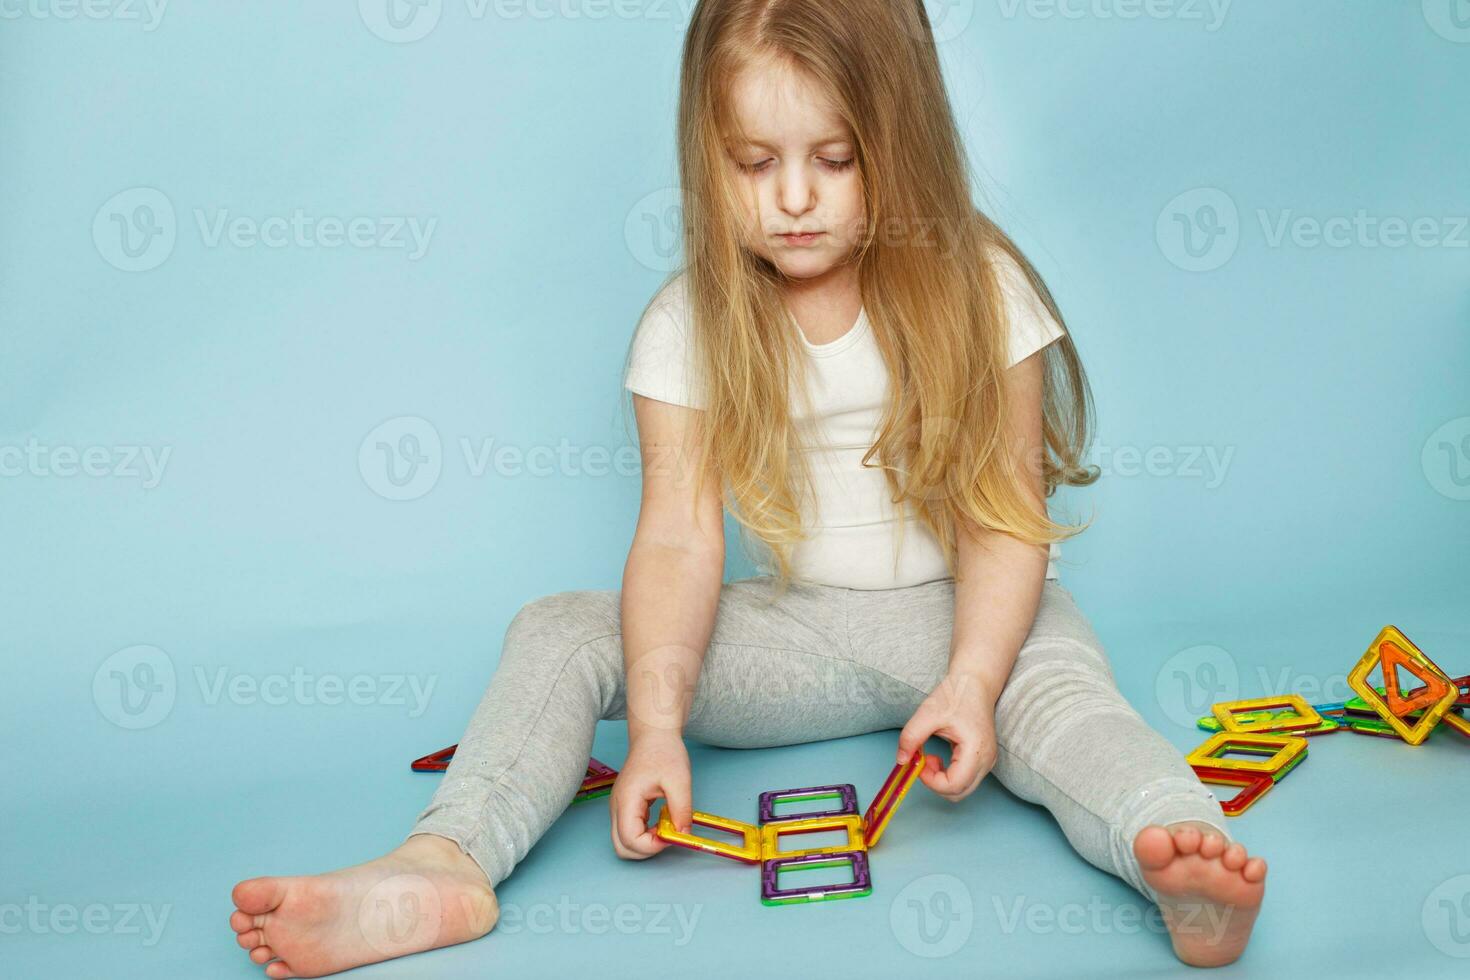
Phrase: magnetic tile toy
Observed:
(1253, 786)
(749, 852)
(773, 894)
(434, 761)
(843, 793)
(1457, 723)
(1280, 751)
(900, 780)
(1373, 726)
(1462, 683)
(1391, 650)
(1328, 725)
(1300, 715)
(772, 833)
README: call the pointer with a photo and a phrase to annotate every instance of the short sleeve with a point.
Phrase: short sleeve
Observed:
(661, 364)
(1032, 325)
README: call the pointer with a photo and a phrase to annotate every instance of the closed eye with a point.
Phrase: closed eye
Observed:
(837, 166)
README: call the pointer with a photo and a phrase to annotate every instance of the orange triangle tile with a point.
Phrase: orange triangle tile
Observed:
(1434, 688)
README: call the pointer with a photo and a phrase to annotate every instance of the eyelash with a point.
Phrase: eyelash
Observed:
(837, 166)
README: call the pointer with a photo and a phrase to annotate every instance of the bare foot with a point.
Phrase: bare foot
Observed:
(424, 894)
(1209, 893)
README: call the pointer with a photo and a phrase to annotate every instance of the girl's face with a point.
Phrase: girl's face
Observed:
(797, 174)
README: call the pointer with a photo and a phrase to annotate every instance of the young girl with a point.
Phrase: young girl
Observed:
(873, 380)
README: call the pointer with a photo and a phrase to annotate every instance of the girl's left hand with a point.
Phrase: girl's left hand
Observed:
(960, 710)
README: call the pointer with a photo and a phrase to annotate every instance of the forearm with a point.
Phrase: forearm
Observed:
(997, 593)
(669, 599)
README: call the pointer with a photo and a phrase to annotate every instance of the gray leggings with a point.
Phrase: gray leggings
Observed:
(820, 662)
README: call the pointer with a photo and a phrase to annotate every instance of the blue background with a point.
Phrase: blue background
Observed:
(1332, 381)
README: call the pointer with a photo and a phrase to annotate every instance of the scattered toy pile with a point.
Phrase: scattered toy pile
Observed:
(1277, 728)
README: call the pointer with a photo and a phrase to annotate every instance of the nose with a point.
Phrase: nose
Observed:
(796, 192)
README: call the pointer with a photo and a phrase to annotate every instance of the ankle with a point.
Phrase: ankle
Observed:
(440, 852)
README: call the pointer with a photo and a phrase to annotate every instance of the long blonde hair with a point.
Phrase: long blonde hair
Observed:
(933, 297)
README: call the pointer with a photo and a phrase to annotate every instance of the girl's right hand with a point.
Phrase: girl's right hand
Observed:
(657, 768)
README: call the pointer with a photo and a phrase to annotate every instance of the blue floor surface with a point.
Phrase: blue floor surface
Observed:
(146, 831)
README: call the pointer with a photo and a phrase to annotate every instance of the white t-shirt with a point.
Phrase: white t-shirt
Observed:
(853, 535)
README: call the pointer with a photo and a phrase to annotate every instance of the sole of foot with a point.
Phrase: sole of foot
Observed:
(1209, 890)
(423, 895)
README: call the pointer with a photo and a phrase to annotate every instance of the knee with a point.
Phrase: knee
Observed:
(554, 627)
(1054, 673)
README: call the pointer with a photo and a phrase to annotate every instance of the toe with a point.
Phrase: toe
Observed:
(262, 954)
(1186, 840)
(1254, 870)
(1154, 847)
(258, 896)
(1234, 857)
(278, 971)
(1212, 846)
(251, 939)
(240, 922)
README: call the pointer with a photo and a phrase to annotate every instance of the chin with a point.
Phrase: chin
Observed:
(804, 266)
